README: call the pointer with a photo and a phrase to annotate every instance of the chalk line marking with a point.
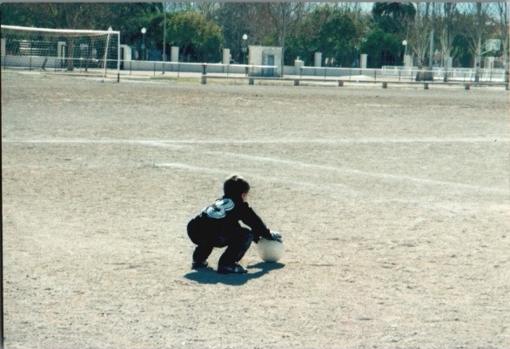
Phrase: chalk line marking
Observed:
(169, 142)
(316, 187)
(147, 142)
(362, 173)
(182, 144)
(459, 207)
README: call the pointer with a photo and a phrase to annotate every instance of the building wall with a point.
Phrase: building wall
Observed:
(257, 55)
(55, 63)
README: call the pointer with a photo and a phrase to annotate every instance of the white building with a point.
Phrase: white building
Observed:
(265, 55)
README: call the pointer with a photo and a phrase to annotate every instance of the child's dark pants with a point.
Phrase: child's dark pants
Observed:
(237, 243)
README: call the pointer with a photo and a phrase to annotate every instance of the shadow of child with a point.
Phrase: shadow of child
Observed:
(210, 276)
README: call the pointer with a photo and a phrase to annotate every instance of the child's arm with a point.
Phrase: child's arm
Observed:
(250, 218)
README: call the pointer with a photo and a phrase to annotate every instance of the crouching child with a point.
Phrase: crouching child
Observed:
(218, 226)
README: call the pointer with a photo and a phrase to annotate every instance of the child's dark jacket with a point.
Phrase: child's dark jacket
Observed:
(223, 216)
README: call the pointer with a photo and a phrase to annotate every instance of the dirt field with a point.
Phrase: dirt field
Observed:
(394, 205)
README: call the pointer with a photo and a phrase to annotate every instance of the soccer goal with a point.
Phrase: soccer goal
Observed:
(91, 51)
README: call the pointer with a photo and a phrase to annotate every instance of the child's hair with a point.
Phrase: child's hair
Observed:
(234, 186)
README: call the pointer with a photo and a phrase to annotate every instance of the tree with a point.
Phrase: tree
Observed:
(131, 18)
(338, 36)
(382, 48)
(390, 25)
(330, 30)
(56, 15)
(234, 20)
(448, 26)
(284, 15)
(476, 33)
(503, 11)
(419, 33)
(198, 38)
(20, 14)
(208, 9)
(62, 16)
(393, 17)
(128, 18)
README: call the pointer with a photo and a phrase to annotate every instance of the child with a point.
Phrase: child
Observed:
(218, 226)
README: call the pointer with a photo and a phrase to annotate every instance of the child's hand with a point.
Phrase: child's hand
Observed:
(276, 236)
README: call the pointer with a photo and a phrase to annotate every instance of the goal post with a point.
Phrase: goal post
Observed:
(91, 51)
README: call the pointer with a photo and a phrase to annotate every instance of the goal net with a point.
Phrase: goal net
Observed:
(91, 51)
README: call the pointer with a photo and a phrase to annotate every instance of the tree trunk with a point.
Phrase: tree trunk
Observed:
(507, 59)
(70, 50)
(283, 46)
(478, 58)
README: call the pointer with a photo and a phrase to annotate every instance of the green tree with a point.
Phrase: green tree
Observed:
(382, 48)
(393, 17)
(390, 26)
(337, 38)
(234, 21)
(329, 30)
(461, 54)
(19, 14)
(57, 15)
(198, 38)
(128, 18)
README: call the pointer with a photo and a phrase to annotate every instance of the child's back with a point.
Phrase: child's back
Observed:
(218, 226)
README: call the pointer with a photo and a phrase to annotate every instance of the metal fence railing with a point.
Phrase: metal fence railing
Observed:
(131, 67)
(452, 74)
(404, 74)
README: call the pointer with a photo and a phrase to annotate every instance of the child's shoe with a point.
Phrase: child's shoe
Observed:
(199, 265)
(232, 269)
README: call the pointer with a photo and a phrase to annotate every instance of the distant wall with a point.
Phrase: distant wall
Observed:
(397, 72)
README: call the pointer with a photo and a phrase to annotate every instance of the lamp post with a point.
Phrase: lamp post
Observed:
(144, 51)
(164, 32)
(244, 48)
(404, 43)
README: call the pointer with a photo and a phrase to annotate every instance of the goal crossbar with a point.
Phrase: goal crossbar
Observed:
(60, 31)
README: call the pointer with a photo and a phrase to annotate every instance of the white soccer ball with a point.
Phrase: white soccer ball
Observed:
(270, 250)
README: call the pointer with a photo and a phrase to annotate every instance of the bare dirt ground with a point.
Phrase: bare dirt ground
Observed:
(394, 205)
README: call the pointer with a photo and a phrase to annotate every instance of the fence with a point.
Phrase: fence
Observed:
(210, 68)
(449, 74)
(385, 74)
(83, 65)
(404, 74)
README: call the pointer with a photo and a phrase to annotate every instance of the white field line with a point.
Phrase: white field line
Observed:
(387, 176)
(168, 142)
(452, 206)
(174, 144)
(151, 143)
(316, 187)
